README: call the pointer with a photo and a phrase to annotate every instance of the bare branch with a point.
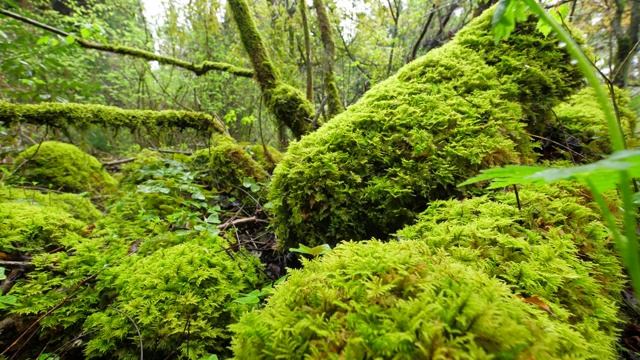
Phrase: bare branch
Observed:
(198, 69)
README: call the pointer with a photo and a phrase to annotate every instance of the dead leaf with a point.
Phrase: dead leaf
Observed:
(538, 302)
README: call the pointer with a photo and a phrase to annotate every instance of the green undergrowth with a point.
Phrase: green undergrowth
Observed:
(555, 249)
(157, 259)
(79, 207)
(63, 167)
(579, 123)
(411, 139)
(401, 300)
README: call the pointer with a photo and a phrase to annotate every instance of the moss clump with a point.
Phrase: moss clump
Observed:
(267, 161)
(412, 138)
(581, 125)
(555, 249)
(290, 107)
(226, 164)
(64, 167)
(79, 207)
(28, 228)
(402, 301)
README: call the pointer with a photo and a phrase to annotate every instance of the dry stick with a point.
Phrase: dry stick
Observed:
(33, 155)
(557, 143)
(135, 326)
(118, 162)
(16, 263)
(198, 69)
(240, 221)
(315, 118)
(58, 305)
(171, 151)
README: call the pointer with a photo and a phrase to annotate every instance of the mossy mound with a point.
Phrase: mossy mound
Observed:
(79, 207)
(226, 164)
(287, 102)
(412, 138)
(581, 126)
(400, 300)
(268, 160)
(556, 249)
(64, 167)
(28, 228)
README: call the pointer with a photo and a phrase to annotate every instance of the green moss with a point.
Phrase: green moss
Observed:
(581, 124)
(459, 109)
(290, 107)
(226, 164)
(374, 300)
(30, 228)
(555, 249)
(80, 208)
(65, 115)
(64, 167)
(267, 161)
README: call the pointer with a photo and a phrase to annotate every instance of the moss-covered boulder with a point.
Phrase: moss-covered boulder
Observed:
(579, 129)
(226, 164)
(79, 207)
(64, 167)
(556, 249)
(401, 300)
(412, 138)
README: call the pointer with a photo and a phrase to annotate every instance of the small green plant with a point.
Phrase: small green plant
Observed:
(616, 171)
(314, 251)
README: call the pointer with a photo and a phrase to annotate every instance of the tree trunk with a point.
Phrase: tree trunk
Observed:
(307, 46)
(626, 41)
(335, 106)
(287, 103)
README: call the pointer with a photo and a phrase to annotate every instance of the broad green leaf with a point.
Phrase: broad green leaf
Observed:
(2, 274)
(85, 33)
(70, 39)
(315, 251)
(8, 300)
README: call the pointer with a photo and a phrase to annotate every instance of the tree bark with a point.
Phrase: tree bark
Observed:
(626, 41)
(335, 105)
(307, 46)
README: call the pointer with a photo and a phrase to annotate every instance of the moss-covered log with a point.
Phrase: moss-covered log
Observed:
(64, 115)
(287, 103)
(334, 104)
(412, 138)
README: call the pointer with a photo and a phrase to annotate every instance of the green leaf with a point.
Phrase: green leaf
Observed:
(255, 188)
(246, 182)
(507, 13)
(70, 39)
(213, 219)
(210, 357)
(85, 33)
(249, 299)
(315, 251)
(2, 274)
(8, 300)
(198, 196)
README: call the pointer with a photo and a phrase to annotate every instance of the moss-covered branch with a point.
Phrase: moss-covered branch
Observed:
(198, 69)
(80, 115)
(287, 103)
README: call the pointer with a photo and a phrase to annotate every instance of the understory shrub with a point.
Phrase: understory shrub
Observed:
(411, 139)
(64, 167)
(556, 249)
(401, 300)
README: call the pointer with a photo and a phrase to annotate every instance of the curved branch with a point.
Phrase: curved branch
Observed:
(63, 115)
(198, 69)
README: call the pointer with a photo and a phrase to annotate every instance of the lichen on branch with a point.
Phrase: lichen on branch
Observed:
(63, 115)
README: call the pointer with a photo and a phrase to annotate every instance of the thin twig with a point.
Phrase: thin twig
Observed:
(135, 326)
(315, 118)
(118, 162)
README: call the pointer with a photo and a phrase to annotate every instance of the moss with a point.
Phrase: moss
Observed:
(582, 126)
(459, 109)
(267, 161)
(64, 167)
(78, 207)
(290, 107)
(30, 228)
(226, 164)
(400, 301)
(555, 249)
(65, 115)
(189, 285)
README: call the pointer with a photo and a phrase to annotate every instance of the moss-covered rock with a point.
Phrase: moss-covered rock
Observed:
(226, 164)
(64, 167)
(79, 207)
(412, 138)
(267, 160)
(401, 300)
(582, 126)
(555, 249)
